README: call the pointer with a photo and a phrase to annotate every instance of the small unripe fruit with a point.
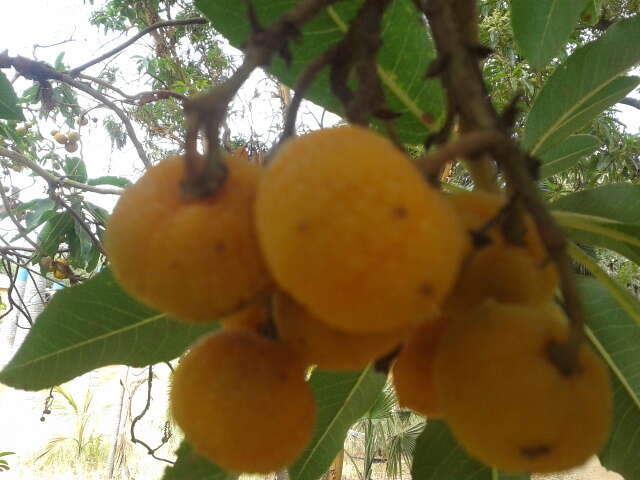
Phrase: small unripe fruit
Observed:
(194, 259)
(71, 147)
(83, 121)
(74, 136)
(505, 400)
(21, 130)
(243, 403)
(317, 343)
(352, 231)
(54, 133)
(61, 138)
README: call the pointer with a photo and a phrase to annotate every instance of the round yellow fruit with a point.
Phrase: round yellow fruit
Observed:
(61, 138)
(351, 230)
(495, 268)
(73, 136)
(506, 402)
(318, 343)
(413, 370)
(197, 259)
(243, 403)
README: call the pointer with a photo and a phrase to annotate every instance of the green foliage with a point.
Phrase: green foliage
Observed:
(567, 154)
(93, 325)
(404, 57)
(342, 398)
(9, 108)
(191, 465)
(543, 27)
(583, 86)
(4, 464)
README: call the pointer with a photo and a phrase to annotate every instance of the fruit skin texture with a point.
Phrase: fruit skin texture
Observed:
(71, 146)
(413, 370)
(73, 136)
(352, 231)
(196, 260)
(500, 270)
(507, 404)
(320, 344)
(242, 402)
(251, 318)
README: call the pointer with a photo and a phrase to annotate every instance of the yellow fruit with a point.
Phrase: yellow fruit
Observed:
(196, 260)
(71, 146)
(252, 318)
(413, 370)
(73, 136)
(507, 404)
(500, 270)
(352, 231)
(243, 403)
(320, 344)
(61, 138)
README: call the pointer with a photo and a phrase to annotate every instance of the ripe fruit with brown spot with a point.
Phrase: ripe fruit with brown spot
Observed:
(495, 268)
(61, 138)
(413, 370)
(196, 260)
(352, 231)
(243, 403)
(71, 147)
(507, 404)
(318, 343)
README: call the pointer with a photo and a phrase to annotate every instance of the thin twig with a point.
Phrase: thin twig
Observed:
(150, 451)
(51, 178)
(9, 210)
(168, 23)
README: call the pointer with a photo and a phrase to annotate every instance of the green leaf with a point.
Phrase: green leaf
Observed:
(36, 212)
(616, 337)
(92, 325)
(80, 246)
(191, 466)
(607, 216)
(98, 213)
(75, 169)
(567, 154)
(342, 399)
(53, 233)
(4, 454)
(109, 180)
(587, 83)
(9, 108)
(541, 28)
(406, 53)
(438, 456)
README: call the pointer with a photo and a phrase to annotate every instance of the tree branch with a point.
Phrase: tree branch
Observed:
(169, 23)
(51, 178)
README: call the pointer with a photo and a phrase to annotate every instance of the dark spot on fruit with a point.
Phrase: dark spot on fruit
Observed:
(400, 212)
(220, 247)
(302, 227)
(535, 451)
(426, 290)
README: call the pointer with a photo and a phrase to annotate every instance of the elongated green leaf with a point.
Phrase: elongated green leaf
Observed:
(342, 398)
(9, 108)
(37, 209)
(541, 28)
(583, 86)
(617, 338)
(53, 233)
(403, 59)
(438, 456)
(90, 326)
(567, 154)
(75, 169)
(607, 216)
(191, 466)
(109, 180)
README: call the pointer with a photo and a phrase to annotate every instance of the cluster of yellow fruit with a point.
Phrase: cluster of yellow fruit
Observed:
(70, 141)
(337, 254)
